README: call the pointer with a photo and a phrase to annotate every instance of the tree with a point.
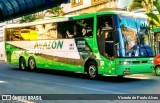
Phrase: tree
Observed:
(57, 11)
(28, 18)
(149, 6)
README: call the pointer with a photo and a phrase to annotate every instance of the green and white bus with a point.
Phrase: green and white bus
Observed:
(115, 43)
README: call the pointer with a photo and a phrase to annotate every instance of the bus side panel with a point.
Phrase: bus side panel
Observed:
(64, 54)
(12, 54)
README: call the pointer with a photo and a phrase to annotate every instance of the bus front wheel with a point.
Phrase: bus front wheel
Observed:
(22, 63)
(157, 70)
(31, 63)
(92, 70)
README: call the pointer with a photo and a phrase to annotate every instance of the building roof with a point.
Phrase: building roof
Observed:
(10, 9)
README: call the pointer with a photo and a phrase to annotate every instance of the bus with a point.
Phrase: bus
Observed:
(114, 43)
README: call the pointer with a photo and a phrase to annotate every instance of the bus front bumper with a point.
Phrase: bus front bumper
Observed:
(134, 69)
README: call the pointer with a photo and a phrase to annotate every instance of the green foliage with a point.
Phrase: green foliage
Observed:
(135, 5)
(152, 15)
(148, 5)
(28, 18)
(57, 11)
(157, 5)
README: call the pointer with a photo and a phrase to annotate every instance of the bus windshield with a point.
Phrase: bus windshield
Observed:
(134, 38)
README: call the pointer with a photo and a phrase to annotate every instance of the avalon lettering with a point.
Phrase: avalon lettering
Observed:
(49, 45)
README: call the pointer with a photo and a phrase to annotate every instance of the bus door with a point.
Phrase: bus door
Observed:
(105, 36)
(109, 44)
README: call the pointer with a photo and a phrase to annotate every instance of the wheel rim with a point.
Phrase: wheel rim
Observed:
(158, 70)
(22, 65)
(32, 64)
(92, 71)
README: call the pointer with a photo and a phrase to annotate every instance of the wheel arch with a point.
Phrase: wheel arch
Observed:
(88, 61)
(31, 56)
(22, 57)
(156, 67)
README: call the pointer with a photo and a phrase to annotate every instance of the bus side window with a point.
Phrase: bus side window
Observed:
(59, 35)
(13, 34)
(76, 28)
(88, 27)
(65, 29)
(68, 34)
(84, 28)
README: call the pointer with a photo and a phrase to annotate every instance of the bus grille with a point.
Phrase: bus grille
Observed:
(139, 62)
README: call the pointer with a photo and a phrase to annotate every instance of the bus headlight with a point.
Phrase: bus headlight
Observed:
(150, 61)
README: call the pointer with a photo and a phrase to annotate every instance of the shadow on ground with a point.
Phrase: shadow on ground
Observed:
(84, 76)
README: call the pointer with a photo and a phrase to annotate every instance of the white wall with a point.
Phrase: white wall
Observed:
(123, 3)
(1, 30)
(86, 3)
(68, 8)
(2, 51)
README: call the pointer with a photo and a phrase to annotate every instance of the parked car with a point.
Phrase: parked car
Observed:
(157, 65)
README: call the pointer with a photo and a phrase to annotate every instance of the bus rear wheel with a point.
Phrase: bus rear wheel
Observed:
(31, 63)
(22, 63)
(92, 70)
(157, 70)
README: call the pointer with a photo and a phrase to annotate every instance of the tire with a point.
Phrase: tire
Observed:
(31, 63)
(157, 70)
(120, 76)
(92, 70)
(22, 63)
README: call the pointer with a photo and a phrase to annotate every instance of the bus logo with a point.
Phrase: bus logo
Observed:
(71, 46)
(6, 97)
(49, 44)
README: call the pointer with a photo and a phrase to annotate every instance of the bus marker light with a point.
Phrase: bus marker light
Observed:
(113, 68)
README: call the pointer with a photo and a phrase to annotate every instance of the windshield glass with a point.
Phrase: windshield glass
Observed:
(134, 38)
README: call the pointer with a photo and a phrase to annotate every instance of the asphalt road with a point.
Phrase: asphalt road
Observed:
(14, 81)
